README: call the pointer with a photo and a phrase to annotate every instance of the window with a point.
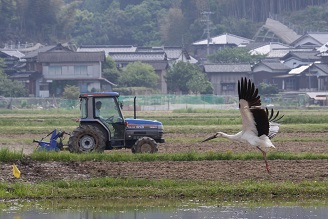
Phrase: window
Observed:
(80, 70)
(44, 86)
(83, 107)
(55, 70)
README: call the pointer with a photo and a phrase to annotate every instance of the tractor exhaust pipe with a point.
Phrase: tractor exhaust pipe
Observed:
(135, 107)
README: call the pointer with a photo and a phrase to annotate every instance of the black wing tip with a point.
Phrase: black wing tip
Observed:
(272, 117)
(248, 92)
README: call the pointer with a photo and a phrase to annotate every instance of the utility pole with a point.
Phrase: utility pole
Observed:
(207, 30)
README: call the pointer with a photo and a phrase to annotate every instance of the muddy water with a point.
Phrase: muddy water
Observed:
(159, 209)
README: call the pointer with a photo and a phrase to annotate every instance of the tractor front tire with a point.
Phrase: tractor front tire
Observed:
(87, 138)
(145, 145)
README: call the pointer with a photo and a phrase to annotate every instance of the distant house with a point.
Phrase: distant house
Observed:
(83, 68)
(311, 40)
(224, 77)
(11, 60)
(204, 47)
(264, 48)
(294, 59)
(173, 53)
(269, 71)
(158, 60)
(107, 48)
(30, 73)
(312, 77)
(279, 53)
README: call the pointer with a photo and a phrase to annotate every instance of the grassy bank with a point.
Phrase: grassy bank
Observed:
(172, 189)
(9, 156)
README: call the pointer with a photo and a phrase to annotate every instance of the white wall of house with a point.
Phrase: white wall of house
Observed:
(71, 71)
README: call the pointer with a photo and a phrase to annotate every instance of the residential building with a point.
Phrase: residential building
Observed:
(82, 68)
(269, 71)
(203, 48)
(224, 77)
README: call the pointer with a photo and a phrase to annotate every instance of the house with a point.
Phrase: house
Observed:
(29, 71)
(297, 58)
(269, 71)
(107, 48)
(11, 60)
(206, 47)
(173, 53)
(224, 77)
(310, 78)
(264, 48)
(279, 53)
(311, 40)
(157, 59)
(81, 68)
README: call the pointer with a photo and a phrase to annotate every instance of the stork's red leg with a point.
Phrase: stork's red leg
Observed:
(265, 159)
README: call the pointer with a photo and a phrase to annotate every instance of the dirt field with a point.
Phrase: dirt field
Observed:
(234, 171)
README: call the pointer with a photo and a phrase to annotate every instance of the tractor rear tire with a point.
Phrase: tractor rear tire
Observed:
(87, 138)
(145, 145)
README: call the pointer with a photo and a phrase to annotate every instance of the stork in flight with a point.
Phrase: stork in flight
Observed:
(258, 125)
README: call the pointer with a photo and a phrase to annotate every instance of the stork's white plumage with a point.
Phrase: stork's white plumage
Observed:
(258, 125)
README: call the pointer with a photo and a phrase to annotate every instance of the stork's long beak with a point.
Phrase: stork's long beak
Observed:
(210, 138)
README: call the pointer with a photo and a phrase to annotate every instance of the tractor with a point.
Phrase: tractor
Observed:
(103, 127)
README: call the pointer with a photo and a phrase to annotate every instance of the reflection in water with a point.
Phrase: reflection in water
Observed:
(159, 210)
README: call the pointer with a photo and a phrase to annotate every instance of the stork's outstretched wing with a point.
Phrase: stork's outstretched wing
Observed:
(254, 118)
(273, 122)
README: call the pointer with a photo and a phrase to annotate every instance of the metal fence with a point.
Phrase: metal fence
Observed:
(159, 102)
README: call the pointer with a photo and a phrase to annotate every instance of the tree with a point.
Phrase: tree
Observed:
(110, 72)
(234, 55)
(174, 27)
(199, 84)
(71, 92)
(9, 88)
(139, 74)
(185, 77)
(268, 89)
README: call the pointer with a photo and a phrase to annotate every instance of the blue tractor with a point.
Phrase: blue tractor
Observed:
(103, 127)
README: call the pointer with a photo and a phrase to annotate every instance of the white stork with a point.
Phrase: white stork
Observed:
(258, 125)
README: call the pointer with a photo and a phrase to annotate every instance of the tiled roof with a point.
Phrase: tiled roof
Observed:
(275, 64)
(320, 37)
(138, 56)
(107, 48)
(71, 57)
(172, 52)
(303, 55)
(34, 54)
(13, 53)
(225, 39)
(279, 53)
(210, 68)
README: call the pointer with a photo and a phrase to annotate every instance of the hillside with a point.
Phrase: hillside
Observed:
(148, 22)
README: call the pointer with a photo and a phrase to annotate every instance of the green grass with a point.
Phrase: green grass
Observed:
(8, 156)
(143, 188)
